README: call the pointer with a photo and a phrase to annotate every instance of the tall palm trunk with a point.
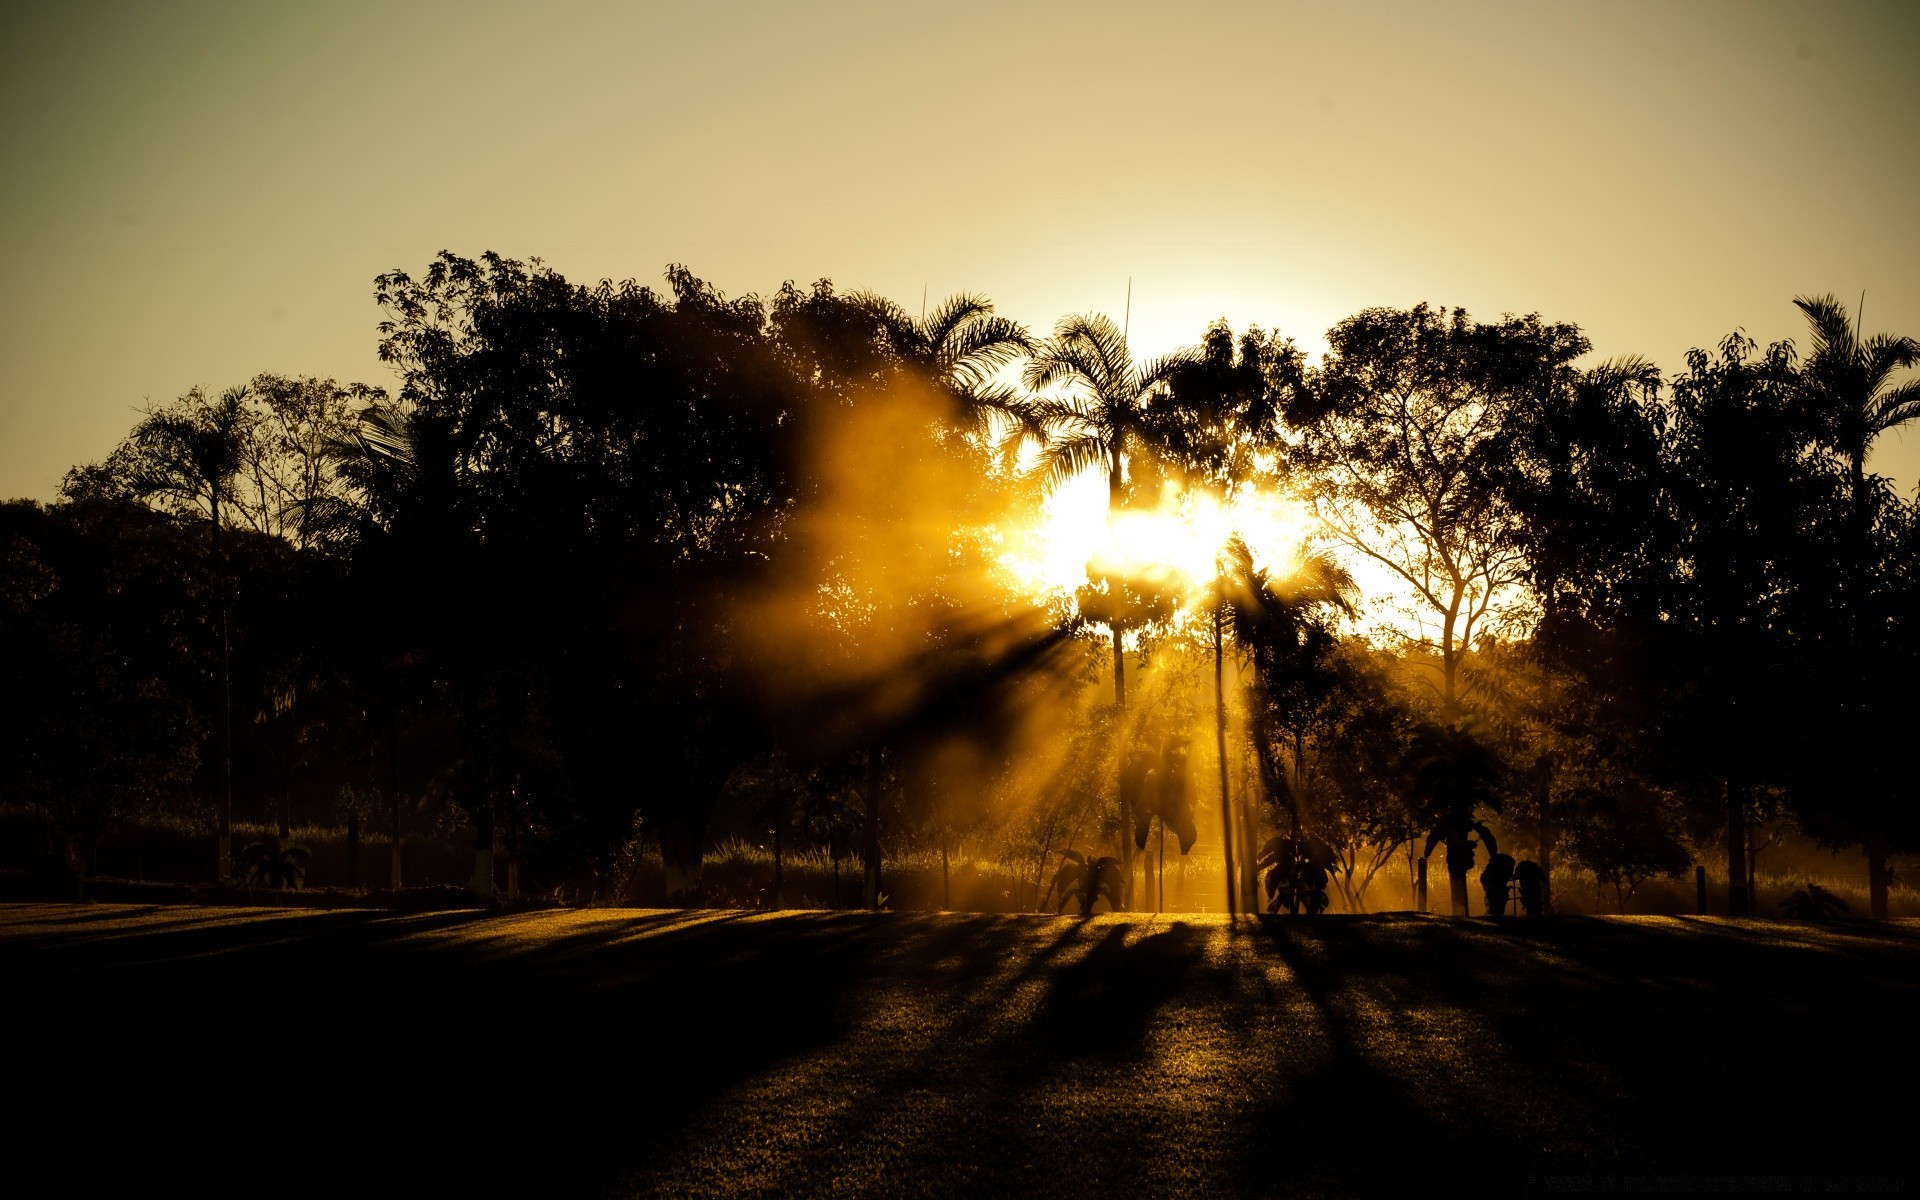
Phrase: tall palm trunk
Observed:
(1877, 879)
(1736, 850)
(871, 849)
(1220, 749)
(1115, 497)
(393, 796)
(482, 881)
(779, 871)
(1547, 832)
(226, 691)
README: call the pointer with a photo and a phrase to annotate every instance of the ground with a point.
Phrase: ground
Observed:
(620, 1052)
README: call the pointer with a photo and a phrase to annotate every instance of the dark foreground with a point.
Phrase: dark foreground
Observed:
(632, 1052)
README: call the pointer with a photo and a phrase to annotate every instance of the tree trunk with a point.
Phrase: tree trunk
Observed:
(1420, 887)
(226, 692)
(681, 837)
(871, 851)
(1736, 850)
(1457, 885)
(1160, 883)
(353, 849)
(1877, 880)
(1220, 750)
(393, 797)
(1249, 847)
(482, 881)
(513, 860)
(1548, 834)
(779, 871)
(1449, 662)
(1120, 757)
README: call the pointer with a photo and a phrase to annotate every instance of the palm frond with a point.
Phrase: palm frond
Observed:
(1833, 333)
(1062, 459)
(1894, 408)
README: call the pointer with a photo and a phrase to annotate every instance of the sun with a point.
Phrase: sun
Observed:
(1181, 537)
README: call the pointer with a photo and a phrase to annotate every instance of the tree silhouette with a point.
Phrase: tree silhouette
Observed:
(1453, 776)
(1847, 385)
(1097, 420)
(960, 347)
(1284, 625)
(1813, 903)
(1088, 880)
(190, 453)
(1408, 444)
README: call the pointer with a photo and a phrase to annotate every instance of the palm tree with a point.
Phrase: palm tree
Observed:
(1087, 880)
(403, 522)
(191, 452)
(1096, 419)
(1813, 903)
(960, 347)
(1848, 391)
(1453, 774)
(1283, 625)
(1847, 387)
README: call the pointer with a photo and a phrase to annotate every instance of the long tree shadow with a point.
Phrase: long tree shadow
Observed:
(1565, 1045)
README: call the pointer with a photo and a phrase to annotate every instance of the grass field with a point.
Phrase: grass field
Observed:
(617, 1052)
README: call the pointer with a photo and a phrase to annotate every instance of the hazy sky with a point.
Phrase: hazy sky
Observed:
(195, 193)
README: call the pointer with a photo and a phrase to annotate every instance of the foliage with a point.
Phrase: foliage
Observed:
(271, 865)
(1089, 880)
(1813, 903)
(1295, 871)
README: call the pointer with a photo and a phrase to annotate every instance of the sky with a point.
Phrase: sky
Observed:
(194, 193)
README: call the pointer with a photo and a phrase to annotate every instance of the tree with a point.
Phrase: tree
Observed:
(1453, 776)
(95, 727)
(960, 348)
(1284, 626)
(190, 454)
(1219, 429)
(1623, 836)
(1407, 442)
(1088, 880)
(1097, 420)
(1848, 390)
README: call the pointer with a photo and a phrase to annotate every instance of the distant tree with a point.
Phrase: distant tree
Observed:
(1219, 431)
(1623, 837)
(1295, 870)
(1284, 625)
(1849, 389)
(1813, 903)
(1091, 415)
(1412, 425)
(1087, 880)
(960, 348)
(1096, 420)
(1453, 777)
(95, 727)
(1494, 880)
(271, 865)
(189, 454)
(289, 476)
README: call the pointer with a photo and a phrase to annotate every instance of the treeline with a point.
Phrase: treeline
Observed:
(609, 558)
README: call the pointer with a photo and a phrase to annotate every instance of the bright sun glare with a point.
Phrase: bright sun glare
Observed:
(1181, 536)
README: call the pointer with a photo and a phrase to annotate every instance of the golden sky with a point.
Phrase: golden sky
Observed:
(195, 193)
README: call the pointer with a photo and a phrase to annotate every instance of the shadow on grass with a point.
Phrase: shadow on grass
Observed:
(858, 1054)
